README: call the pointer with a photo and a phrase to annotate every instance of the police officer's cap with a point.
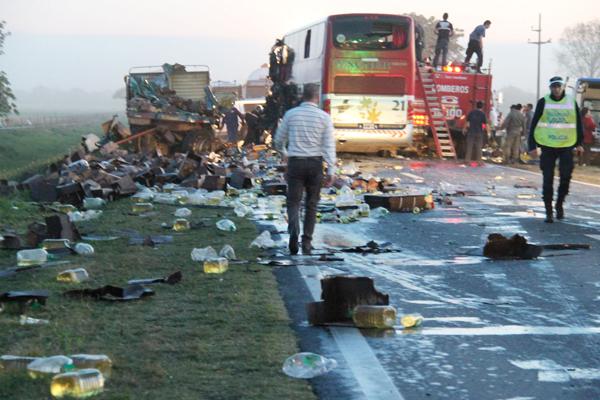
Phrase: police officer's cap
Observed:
(556, 80)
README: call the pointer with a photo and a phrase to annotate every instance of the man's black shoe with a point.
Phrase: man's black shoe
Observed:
(560, 212)
(293, 246)
(549, 219)
(306, 249)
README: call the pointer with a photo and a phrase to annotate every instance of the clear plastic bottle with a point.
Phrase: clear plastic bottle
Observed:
(25, 320)
(183, 213)
(226, 225)
(49, 365)
(15, 363)
(31, 257)
(56, 244)
(142, 207)
(216, 265)
(411, 320)
(84, 249)
(364, 210)
(78, 384)
(181, 224)
(73, 275)
(93, 203)
(365, 316)
(101, 362)
(307, 365)
(78, 166)
(227, 252)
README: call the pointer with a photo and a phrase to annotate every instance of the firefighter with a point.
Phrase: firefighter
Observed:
(556, 128)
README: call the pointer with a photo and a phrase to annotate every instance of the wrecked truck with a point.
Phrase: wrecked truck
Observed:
(171, 108)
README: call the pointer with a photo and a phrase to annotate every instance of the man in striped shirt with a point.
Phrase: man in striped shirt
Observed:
(305, 139)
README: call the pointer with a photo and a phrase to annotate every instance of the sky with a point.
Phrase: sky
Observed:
(91, 44)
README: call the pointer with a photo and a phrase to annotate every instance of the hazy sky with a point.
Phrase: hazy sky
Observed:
(91, 44)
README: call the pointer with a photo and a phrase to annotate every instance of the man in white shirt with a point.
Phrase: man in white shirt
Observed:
(305, 139)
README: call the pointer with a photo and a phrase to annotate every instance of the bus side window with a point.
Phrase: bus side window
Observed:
(307, 44)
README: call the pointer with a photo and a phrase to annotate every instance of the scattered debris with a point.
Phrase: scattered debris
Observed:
(381, 317)
(111, 293)
(264, 241)
(372, 247)
(411, 320)
(340, 295)
(171, 279)
(307, 365)
(499, 247)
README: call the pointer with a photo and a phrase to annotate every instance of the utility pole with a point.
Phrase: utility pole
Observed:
(539, 44)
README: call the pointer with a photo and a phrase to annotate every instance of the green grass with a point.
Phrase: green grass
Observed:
(209, 337)
(32, 149)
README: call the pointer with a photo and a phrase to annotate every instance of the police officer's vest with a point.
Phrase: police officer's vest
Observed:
(557, 126)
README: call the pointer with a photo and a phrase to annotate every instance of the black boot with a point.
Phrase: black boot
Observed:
(293, 245)
(306, 247)
(560, 212)
(549, 218)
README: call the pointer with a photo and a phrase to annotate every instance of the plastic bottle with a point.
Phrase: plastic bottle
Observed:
(66, 208)
(27, 258)
(142, 197)
(307, 365)
(364, 210)
(411, 320)
(56, 244)
(227, 252)
(25, 320)
(263, 241)
(379, 212)
(365, 316)
(183, 213)
(142, 207)
(216, 265)
(100, 362)
(84, 249)
(203, 254)
(93, 203)
(49, 365)
(13, 363)
(181, 224)
(73, 275)
(78, 384)
(226, 225)
(78, 166)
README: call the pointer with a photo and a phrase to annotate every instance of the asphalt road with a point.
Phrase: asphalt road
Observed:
(518, 330)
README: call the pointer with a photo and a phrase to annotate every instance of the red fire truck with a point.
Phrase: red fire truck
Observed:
(378, 98)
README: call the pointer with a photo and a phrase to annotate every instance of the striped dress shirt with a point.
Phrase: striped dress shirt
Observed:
(307, 131)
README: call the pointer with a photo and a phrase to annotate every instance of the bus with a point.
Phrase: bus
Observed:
(587, 93)
(365, 66)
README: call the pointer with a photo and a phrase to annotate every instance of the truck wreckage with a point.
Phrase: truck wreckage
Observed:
(170, 109)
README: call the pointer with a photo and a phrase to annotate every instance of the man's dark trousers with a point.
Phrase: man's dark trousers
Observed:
(305, 174)
(565, 168)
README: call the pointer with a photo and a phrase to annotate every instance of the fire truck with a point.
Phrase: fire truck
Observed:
(378, 96)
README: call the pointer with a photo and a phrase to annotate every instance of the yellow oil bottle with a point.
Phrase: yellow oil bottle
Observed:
(142, 207)
(216, 265)
(78, 384)
(181, 224)
(381, 317)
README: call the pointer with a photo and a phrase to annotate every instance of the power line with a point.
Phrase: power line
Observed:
(539, 44)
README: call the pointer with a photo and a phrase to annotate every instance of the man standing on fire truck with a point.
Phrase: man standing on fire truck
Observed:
(556, 128)
(476, 44)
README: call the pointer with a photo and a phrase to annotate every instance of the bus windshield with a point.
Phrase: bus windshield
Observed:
(370, 33)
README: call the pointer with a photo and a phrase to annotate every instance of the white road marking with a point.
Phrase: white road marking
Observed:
(593, 236)
(550, 371)
(540, 175)
(417, 178)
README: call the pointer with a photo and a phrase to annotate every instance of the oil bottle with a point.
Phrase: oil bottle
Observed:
(365, 316)
(78, 384)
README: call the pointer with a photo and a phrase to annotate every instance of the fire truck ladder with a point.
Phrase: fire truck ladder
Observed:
(437, 121)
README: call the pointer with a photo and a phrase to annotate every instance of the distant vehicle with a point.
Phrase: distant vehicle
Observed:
(247, 105)
(587, 94)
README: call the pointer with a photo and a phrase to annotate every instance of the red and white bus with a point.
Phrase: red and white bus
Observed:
(365, 65)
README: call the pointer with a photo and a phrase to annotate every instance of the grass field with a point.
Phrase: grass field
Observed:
(32, 149)
(221, 336)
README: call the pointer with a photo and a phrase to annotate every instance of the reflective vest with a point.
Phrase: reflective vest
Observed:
(557, 126)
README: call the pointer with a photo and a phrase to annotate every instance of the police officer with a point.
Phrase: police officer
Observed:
(556, 129)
